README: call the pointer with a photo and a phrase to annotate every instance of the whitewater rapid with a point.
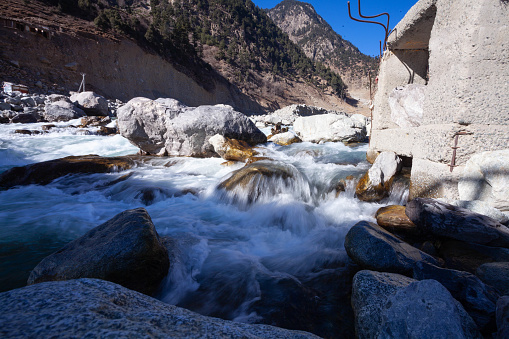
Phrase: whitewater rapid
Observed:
(222, 241)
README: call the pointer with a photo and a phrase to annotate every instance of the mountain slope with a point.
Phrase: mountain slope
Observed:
(320, 43)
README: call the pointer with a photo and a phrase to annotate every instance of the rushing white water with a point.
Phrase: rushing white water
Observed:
(224, 245)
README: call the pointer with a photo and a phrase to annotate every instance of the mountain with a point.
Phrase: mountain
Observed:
(322, 44)
(228, 51)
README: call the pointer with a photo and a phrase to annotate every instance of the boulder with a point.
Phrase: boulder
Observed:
(125, 250)
(425, 309)
(56, 97)
(330, 127)
(482, 207)
(61, 111)
(406, 105)
(43, 173)
(468, 257)
(370, 292)
(13, 100)
(97, 308)
(168, 127)
(90, 102)
(503, 317)
(477, 298)
(285, 139)
(372, 247)
(445, 220)
(495, 274)
(94, 121)
(28, 101)
(393, 219)
(5, 106)
(288, 114)
(24, 118)
(231, 149)
(376, 183)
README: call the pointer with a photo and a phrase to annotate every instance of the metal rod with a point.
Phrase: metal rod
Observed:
(455, 147)
(376, 16)
(369, 21)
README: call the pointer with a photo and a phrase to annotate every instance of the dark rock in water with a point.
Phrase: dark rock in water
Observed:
(503, 317)
(47, 127)
(107, 131)
(370, 292)
(94, 121)
(425, 309)
(23, 131)
(24, 118)
(43, 173)
(468, 257)
(477, 298)
(445, 220)
(97, 308)
(125, 250)
(372, 247)
(393, 219)
(495, 274)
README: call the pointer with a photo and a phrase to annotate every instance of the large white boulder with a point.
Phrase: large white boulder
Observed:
(406, 105)
(91, 103)
(486, 177)
(288, 114)
(330, 127)
(165, 126)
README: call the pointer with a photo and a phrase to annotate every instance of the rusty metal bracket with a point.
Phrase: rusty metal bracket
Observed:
(386, 27)
(455, 147)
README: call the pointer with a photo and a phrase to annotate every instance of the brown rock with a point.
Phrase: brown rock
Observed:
(393, 219)
(238, 150)
(255, 159)
(365, 191)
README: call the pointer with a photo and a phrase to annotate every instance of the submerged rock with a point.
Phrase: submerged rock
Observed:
(97, 308)
(125, 250)
(168, 127)
(43, 173)
(445, 220)
(330, 127)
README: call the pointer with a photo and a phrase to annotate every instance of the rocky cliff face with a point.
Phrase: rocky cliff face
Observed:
(320, 43)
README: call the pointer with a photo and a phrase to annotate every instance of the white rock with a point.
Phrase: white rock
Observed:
(406, 105)
(329, 127)
(386, 165)
(285, 139)
(91, 103)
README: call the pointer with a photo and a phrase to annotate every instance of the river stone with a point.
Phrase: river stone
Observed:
(445, 220)
(285, 139)
(93, 104)
(369, 295)
(5, 106)
(167, 127)
(503, 317)
(231, 149)
(372, 247)
(330, 127)
(468, 257)
(477, 298)
(24, 118)
(482, 207)
(495, 274)
(56, 97)
(425, 309)
(292, 112)
(393, 219)
(61, 111)
(28, 101)
(376, 183)
(406, 105)
(486, 177)
(43, 173)
(98, 309)
(125, 250)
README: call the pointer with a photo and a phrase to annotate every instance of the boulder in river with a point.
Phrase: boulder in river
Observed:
(42, 173)
(231, 149)
(167, 127)
(93, 104)
(61, 111)
(372, 247)
(97, 308)
(445, 220)
(376, 183)
(330, 127)
(125, 250)
(393, 219)
(285, 139)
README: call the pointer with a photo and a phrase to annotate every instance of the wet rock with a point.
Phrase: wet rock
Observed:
(93, 121)
(47, 127)
(26, 132)
(168, 127)
(231, 149)
(93, 104)
(255, 159)
(372, 247)
(43, 173)
(495, 274)
(97, 308)
(370, 292)
(503, 317)
(445, 220)
(477, 298)
(61, 111)
(24, 118)
(393, 219)
(125, 250)
(103, 130)
(330, 127)
(468, 257)
(425, 309)
(285, 139)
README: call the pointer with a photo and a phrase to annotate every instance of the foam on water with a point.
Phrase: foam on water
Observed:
(222, 245)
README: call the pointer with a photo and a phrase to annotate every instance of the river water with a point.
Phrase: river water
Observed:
(226, 244)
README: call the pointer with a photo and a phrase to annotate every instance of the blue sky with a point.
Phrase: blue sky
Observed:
(365, 36)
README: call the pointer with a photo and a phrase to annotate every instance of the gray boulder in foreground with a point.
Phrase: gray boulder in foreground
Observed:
(61, 111)
(168, 127)
(445, 220)
(372, 247)
(97, 309)
(125, 249)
